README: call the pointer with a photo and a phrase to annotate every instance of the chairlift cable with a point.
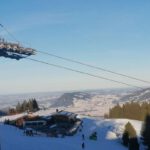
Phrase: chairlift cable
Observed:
(82, 72)
(79, 62)
(94, 67)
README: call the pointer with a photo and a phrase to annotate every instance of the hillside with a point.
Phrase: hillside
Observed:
(140, 95)
(109, 134)
(67, 99)
(94, 102)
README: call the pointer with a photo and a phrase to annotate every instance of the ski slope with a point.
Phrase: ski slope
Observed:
(109, 134)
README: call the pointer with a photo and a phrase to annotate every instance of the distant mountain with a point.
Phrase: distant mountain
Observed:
(96, 99)
(141, 95)
(67, 99)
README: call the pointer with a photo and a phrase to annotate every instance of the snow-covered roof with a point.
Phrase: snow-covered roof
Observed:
(65, 113)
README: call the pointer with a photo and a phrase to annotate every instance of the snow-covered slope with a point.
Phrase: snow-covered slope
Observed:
(141, 95)
(109, 134)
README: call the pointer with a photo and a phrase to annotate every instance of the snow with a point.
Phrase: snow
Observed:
(111, 135)
(13, 117)
(97, 105)
(109, 132)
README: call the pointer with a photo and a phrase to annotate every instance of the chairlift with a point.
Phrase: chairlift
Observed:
(14, 50)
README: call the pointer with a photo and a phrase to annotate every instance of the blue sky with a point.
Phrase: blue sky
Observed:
(113, 34)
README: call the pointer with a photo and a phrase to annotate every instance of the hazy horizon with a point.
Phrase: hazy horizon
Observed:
(67, 91)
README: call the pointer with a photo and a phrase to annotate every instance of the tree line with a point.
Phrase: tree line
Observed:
(30, 105)
(130, 110)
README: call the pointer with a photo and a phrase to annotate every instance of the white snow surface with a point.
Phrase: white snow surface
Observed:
(109, 136)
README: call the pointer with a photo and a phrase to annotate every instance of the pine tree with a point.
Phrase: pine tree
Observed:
(24, 106)
(35, 105)
(146, 131)
(116, 112)
(133, 144)
(30, 104)
(144, 110)
(130, 138)
(18, 108)
(125, 138)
